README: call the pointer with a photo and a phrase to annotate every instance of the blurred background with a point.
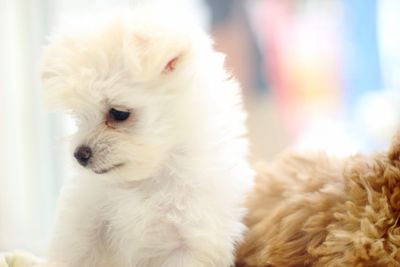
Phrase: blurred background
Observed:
(315, 75)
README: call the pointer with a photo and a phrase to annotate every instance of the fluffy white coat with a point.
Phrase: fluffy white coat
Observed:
(173, 195)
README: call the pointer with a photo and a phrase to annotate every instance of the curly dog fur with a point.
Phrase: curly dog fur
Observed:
(316, 210)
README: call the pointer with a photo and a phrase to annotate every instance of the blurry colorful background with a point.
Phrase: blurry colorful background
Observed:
(315, 75)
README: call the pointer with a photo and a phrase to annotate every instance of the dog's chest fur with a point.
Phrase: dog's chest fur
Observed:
(148, 219)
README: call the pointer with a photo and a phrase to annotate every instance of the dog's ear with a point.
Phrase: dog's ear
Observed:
(149, 42)
(156, 54)
(171, 65)
(394, 151)
(54, 74)
(51, 85)
(48, 77)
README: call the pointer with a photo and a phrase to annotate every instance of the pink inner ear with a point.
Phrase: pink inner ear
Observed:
(170, 65)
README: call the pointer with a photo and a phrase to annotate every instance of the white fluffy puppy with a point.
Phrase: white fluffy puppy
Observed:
(163, 162)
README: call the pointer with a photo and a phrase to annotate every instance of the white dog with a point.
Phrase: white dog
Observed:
(163, 162)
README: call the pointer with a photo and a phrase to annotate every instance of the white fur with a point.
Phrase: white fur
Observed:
(178, 199)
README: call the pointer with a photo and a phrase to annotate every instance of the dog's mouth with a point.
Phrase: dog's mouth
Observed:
(106, 170)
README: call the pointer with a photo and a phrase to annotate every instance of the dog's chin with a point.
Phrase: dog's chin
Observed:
(107, 169)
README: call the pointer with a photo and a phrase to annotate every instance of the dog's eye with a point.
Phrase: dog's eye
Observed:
(118, 115)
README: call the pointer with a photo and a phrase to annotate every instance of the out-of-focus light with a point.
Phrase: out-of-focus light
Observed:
(379, 114)
(330, 136)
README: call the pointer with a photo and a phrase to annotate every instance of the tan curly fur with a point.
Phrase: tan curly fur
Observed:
(316, 210)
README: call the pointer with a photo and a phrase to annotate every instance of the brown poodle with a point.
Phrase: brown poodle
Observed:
(315, 210)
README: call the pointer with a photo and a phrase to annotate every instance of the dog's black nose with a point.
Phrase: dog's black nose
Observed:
(83, 154)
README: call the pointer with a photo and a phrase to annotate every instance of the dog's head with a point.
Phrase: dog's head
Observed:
(124, 82)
